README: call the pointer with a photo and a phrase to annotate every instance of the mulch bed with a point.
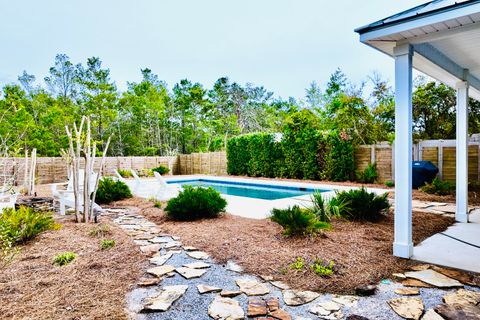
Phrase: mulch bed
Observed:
(93, 286)
(362, 251)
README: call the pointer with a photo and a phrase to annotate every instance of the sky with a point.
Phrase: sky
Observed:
(281, 44)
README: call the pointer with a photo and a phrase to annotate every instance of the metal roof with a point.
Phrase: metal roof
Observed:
(428, 8)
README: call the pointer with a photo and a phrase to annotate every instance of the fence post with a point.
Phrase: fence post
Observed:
(420, 151)
(372, 153)
(440, 158)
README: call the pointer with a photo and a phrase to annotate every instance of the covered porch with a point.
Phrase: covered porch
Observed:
(442, 40)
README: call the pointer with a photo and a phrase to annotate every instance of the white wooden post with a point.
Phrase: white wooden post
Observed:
(461, 214)
(440, 158)
(403, 245)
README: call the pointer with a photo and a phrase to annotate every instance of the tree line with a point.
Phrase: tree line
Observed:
(149, 118)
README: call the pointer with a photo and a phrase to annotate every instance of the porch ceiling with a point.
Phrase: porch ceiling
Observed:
(446, 40)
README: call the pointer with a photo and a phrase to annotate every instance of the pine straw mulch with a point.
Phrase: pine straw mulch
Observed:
(361, 251)
(93, 286)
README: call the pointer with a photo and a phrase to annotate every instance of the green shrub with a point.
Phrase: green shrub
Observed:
(100, 230)
(298, 264)
(112, 190)
(125, 173)
(195, 203)
(438, 187)
(64, 258)
(337, 157)
(390, 184)
(146, 173)
(7, 247)
(161, 169)
(325, 210)
(297, 221)
(107, 244)
(157, 204)
(324, 269)
(369, 174)
(364, 205)
(24, 224)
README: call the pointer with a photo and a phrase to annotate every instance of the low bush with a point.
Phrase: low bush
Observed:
(298, 221)
(364, 205)
(324, 269)
(125, 173)
(325, 210)
(298, 264)
(368, 175)
(195, 203)
(157, 204)
(146, 173)
(107, 244)
(64, 258)
(161, 169)
(438, 187)
(19, 226)
(389, 184)
(7, 247)
(112, 190)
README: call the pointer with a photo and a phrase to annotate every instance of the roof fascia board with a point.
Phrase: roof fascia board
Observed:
(441, 35)
(423, 21)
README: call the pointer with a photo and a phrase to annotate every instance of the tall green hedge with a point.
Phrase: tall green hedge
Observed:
(304, 152)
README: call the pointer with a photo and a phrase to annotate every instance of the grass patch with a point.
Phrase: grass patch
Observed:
(64, 258)
(107, 244)
(100, 231)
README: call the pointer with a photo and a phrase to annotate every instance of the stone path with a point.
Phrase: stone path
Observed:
(185, 283)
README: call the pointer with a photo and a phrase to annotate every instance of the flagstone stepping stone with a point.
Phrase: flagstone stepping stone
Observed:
(232, 266)
(161, 259)
(160, 240)
(318, 310)
(345, 300)
(356, 317)
(141, 242)
(150, 249)
(462, 296)
(130, 226)
(432, 315)
(266, 278)
(256, 307)
(203, 288)
(420, 267)
(199, 255)
(365, 291)
(463, 277)
(408, 308)
(280, 284)
(164, 300)
(172, 244)
(146, 282)
(415, 283)
(225, 309)
(458, 311)
(434, 278)
(330, 306)
(189, 248)
(272, 304)
(161, 270)
(143, 237)
(280, 314)
(407, 291)
(230, 293)
(197, 265)
(399, 276)
(252, 287)
(298, 297)
(189, 273)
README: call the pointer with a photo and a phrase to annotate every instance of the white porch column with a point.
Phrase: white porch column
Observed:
(403, 245)
(461, 214)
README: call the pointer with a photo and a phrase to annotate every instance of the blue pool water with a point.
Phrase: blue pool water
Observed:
(249, 190)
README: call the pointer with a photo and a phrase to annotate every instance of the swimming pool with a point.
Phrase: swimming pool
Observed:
(249, 190)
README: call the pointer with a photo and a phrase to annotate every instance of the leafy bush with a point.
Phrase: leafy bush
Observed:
(146, 173)
(24, 224)
(389, 184)
(157, 204)
(297, 221)
(100, 231)
(112, 190)
(364, 205)
(64, 258)
(369, 174)
(107, 244)
(7, 247)
(324, 269)
(161, 169)
(125, 173)
(337, 157)
(195, 203)
(298, 264)
(326, 210)
(438, 187)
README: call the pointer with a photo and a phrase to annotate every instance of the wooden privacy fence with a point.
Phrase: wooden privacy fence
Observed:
(441, 153)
